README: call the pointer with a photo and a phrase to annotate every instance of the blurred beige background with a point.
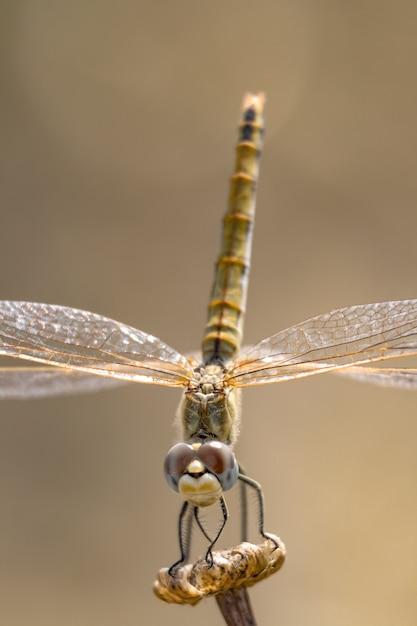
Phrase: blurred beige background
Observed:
(118, 122)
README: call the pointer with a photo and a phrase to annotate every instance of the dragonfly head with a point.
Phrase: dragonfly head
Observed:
(200, 472)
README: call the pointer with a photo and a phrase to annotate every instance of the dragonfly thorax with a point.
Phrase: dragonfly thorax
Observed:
(209, 408)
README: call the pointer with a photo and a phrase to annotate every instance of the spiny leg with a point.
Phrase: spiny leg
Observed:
(209, 554)
(200, 524)
(243, 506)
(183, 543)
(258, 490)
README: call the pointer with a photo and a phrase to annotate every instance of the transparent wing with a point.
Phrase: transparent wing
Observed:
(345, 337)
(79, 340)
(386, 376)
(39, 382)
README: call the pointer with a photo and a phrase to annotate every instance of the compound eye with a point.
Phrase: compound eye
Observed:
(220, 460)
(176, 463)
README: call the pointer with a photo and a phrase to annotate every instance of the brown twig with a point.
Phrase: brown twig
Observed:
(236, 608)
(226, 579)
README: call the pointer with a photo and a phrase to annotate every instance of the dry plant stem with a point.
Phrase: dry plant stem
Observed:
(236, 608)
(234, 569)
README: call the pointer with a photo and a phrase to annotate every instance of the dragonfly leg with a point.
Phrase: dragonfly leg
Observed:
(243, 507)
(258, 490)
(225, 512)
(199, 523)
(184, 537)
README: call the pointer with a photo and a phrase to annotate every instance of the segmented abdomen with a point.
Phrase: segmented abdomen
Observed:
(226, 311)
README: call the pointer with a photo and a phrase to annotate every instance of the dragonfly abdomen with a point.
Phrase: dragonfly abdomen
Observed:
(228, 298)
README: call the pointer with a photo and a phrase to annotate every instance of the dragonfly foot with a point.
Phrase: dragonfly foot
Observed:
(175, 566)
(209, 558)
(272, 538)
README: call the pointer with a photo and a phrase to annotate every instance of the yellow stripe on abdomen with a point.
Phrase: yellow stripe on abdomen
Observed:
(226, 311)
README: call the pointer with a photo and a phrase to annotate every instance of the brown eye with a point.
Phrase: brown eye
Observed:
(219, 459)
(176, 462)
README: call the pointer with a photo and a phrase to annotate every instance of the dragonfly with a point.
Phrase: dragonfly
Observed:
(78, 350)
